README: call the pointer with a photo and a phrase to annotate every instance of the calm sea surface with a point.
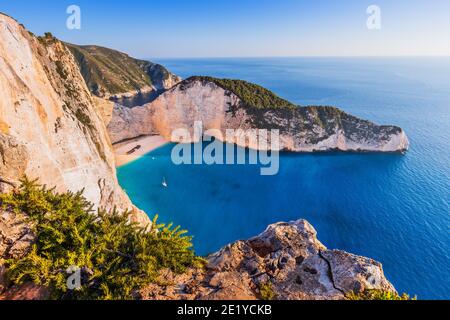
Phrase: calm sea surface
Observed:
(392, 208)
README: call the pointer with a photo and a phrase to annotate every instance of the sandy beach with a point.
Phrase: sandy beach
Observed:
(130, 150)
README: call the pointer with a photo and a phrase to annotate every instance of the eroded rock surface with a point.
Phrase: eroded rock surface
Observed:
(16, 235)
(16, 238)
(50, 128)
(302, 129)
(287, 258)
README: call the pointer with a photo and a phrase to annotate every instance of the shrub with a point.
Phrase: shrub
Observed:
(48, 38)
(251, 94)
(115, 257)
(266, 292)
(60, 69)
(378, 295)
(84, 119)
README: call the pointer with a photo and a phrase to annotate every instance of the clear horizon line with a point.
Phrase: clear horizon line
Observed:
(296, 56)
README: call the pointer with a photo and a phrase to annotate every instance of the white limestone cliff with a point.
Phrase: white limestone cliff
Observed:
(49, 128)
(302, 129)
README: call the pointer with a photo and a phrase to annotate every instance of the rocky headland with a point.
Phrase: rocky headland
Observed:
(222, 104)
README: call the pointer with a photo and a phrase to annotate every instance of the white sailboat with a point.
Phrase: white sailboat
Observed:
(164, 183)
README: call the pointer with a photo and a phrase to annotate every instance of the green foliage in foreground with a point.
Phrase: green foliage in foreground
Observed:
(379, 295)
(266, 292)
(251, 94)
(115, 257)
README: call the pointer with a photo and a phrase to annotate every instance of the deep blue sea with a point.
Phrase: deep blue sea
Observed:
(392, 208)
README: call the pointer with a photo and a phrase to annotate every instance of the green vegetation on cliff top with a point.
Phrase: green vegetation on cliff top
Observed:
(109, 72)
(379, 295)
(251, 94)
(114, 257)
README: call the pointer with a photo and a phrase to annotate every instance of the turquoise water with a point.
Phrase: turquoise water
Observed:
(392, 208)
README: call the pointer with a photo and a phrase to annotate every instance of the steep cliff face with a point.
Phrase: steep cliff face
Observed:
(49, 128)
(287, 261)
(112, 74)
(231, 104)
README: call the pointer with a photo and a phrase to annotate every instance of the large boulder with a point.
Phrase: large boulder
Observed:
(286, 259)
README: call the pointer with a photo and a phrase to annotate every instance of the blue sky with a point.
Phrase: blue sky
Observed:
(241, 28)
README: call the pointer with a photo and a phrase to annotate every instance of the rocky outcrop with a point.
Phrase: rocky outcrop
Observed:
(286, 259)
(127, 123)
(104, 108)
(302, 129)
(161, 78)
(49, 127)
(16, 235)
(14, 161)
(16, 238)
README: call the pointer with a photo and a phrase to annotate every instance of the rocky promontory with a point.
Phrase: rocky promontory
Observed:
(223, 104)
(285, 262)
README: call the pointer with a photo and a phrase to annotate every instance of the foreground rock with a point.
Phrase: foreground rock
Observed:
(232, 104)
(16, 239)
(286, 261)
(16, 235)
